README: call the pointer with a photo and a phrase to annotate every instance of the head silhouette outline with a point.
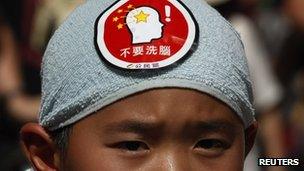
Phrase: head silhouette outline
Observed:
(144, 24)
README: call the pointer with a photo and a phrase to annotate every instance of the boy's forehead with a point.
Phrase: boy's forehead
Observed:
(199, 113)
(156, 98)
(97, 58)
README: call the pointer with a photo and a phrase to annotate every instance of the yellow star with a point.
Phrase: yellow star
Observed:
(130, 6)
(141, 17)
(120, 11)
(119, 26)
(115, 19)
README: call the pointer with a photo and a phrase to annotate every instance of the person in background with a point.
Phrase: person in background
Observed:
(292, 49)
(290, 69)
(39, 20)
(267, 90)
(21, 106)
(282, 23)
(20, 58)
(48, 15)
(16, 106)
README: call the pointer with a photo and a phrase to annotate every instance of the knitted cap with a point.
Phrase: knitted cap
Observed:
(80, 75)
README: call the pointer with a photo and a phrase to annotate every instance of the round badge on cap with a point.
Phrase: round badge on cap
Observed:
(145, 34)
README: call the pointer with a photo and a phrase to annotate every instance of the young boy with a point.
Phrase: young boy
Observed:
(143, 85)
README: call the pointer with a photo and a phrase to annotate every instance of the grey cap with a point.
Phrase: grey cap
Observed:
(77, 82)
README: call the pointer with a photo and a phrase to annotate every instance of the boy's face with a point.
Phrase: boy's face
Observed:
(162, 129)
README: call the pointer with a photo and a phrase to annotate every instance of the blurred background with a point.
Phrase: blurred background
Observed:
(273, 36)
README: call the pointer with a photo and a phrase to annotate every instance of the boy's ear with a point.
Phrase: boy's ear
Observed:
(250, 134)
(39, 148)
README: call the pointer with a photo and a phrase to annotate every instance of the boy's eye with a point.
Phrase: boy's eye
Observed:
(210, 143)
(132, 146)
(211, 146)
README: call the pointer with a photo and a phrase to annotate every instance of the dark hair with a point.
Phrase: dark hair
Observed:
(61, 139)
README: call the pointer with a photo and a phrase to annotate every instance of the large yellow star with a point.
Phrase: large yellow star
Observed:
(141, 17)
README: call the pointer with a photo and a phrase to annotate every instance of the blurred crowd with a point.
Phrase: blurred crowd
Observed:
(273, 35)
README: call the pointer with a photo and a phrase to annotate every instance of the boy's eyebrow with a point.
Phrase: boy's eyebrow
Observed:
(215, 125)
(135, 126)
(143, 127)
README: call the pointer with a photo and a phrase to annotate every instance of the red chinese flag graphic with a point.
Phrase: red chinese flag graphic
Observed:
(145, 34)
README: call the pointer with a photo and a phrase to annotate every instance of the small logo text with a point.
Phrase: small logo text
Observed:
(278, 162)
